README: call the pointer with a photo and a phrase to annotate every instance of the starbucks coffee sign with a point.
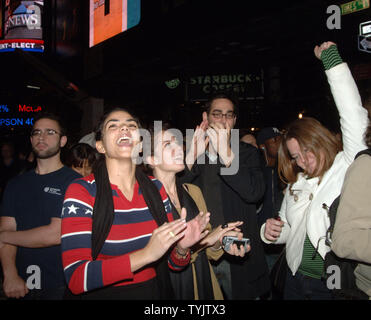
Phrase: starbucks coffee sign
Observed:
(245, 85)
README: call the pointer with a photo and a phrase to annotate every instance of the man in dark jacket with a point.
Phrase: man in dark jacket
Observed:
(230, 177)
(268, 140)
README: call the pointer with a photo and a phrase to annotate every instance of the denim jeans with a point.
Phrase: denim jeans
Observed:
(301, 287)
(223, 274)
(271, 259)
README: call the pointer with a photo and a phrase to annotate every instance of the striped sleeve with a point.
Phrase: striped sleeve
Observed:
(82, 273)
(177, 264)
(331, 57)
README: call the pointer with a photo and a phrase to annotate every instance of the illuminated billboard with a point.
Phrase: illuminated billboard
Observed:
(22, 26)
(18, 114)
(108, 18)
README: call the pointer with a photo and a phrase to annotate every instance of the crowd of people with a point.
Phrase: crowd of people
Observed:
(147, 219)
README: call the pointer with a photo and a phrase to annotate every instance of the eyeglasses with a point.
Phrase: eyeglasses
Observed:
(219, 115)
(49, 132)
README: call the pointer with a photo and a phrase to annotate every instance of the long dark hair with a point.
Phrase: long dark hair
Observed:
(103, 205)
(103, 212)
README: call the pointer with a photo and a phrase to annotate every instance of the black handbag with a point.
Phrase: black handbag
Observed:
(278, 274)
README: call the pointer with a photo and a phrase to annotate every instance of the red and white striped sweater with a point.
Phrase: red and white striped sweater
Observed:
(131, 230)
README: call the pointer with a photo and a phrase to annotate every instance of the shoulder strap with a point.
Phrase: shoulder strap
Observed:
(367, 151)
(335, 204)
(332, 213)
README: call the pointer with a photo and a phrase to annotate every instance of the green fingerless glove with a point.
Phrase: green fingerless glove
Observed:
(331, 57)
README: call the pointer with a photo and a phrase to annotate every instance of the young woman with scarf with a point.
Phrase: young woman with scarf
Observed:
(119, 237)
(196, 281)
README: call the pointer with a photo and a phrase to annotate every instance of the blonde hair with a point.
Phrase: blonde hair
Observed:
(312, 137)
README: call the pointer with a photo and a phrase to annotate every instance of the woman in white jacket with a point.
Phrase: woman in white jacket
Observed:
(312, 164)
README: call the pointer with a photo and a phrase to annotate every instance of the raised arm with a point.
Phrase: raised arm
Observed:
(353, 117)
(198, 144)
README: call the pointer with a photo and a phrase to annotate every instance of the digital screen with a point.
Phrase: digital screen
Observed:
(366, 29)
(69, 35)
(24, 44)
(108, 18)
(18, 115)
(22, 26)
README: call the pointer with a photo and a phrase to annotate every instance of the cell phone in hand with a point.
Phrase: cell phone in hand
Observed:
(229, 240)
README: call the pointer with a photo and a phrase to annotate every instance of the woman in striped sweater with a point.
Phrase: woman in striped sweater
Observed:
(119, 238)
(313, 165)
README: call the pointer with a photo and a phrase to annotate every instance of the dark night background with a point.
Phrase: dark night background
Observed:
(181, 39)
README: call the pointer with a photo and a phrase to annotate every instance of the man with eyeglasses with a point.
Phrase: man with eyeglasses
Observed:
(230, 197)
(30, 222)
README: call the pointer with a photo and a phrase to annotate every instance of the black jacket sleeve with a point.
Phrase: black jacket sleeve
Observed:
(248, 182)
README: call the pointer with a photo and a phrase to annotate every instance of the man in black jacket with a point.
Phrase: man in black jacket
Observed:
(230, 177)
(268, 140)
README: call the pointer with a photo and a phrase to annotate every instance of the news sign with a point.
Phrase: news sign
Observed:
(108, 18)
(22, 26)
(25, 44)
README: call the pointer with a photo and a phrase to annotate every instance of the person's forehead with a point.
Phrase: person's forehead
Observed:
(164, 137)
(249, 137)
(168, 136)
(222, 104)
(293, 145)
(275, 139)
(120, 115)
(46, 123)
